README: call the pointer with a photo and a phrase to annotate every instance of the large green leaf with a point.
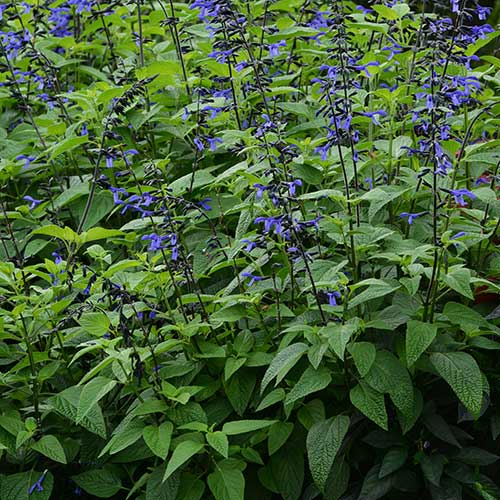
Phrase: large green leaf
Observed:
(419, 337)
(50, 447)
(384, 373)
(91, 394)
(283, 362)
(323, 443)
(227, 482)
(369, 402)
(182, 453)
(242, 426)
(157, 437)
(17, 486)
(462, 373)
(310, 381)
(102, 483)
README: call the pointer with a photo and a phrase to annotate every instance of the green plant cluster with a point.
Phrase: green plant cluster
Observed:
(249, 249)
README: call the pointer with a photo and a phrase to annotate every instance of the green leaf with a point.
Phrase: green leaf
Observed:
(156, 489)
(459, 280)
(232, 366)
(310, 381)
(219, 442)
(432, 468)
(393, 461)
(125, 435)
(50, 447)
(66, 145)
(339, 336)
(369, 402)
(239, 390)
(158, 438)
(283, 362)
(363, 354)
(419, 337)
(242, 426)
(66, 403)
(382, 376)
(182, 453)
(226, 482)
(91, 394)
(376, 288)
(63, 233)
(100, 233)
(323, 443)
(373, 487)
(272, 398)
(462, 373)
(102, 483)
(95, 323)
(278, 435)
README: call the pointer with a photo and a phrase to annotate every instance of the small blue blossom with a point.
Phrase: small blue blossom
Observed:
(332, 297)
(33, 201)
(274, 48)
(409, 216)
(458, 196)
(252, 277)
(38, 484)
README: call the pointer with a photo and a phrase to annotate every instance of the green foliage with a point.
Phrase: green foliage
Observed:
(248, 250)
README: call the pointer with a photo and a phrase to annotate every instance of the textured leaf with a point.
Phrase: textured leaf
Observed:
(283, 362)
(242, 426)
(373, 487)
(461, 372)
(363, 354)
(339, 336)
(419, 337)
(382, 376)
(287, 471)
(432, 468)
(158, 490)
(102, 483)
(91, 394)
(376, 288)
(226, 483)
(50, 447)
(370, 402)
(323, 443)
(278, 435)
(219, 442)
(393, 461)
(272, 398)
(239, 390)
(66, 403)
(182, 453)
(158, 438)
(311, 381)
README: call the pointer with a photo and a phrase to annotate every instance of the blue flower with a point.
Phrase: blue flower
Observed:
(204, 204)
(213, 141)
(38, 484)
(27, 160)
(274, 48)
(250, 245)
(373, 115)
(199, 144)
(410, 217)
(458, 195)
(252, 277)
(33, 202)
(332, 297)
(458, 235)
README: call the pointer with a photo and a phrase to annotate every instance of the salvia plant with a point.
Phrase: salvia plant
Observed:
(249, 249)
